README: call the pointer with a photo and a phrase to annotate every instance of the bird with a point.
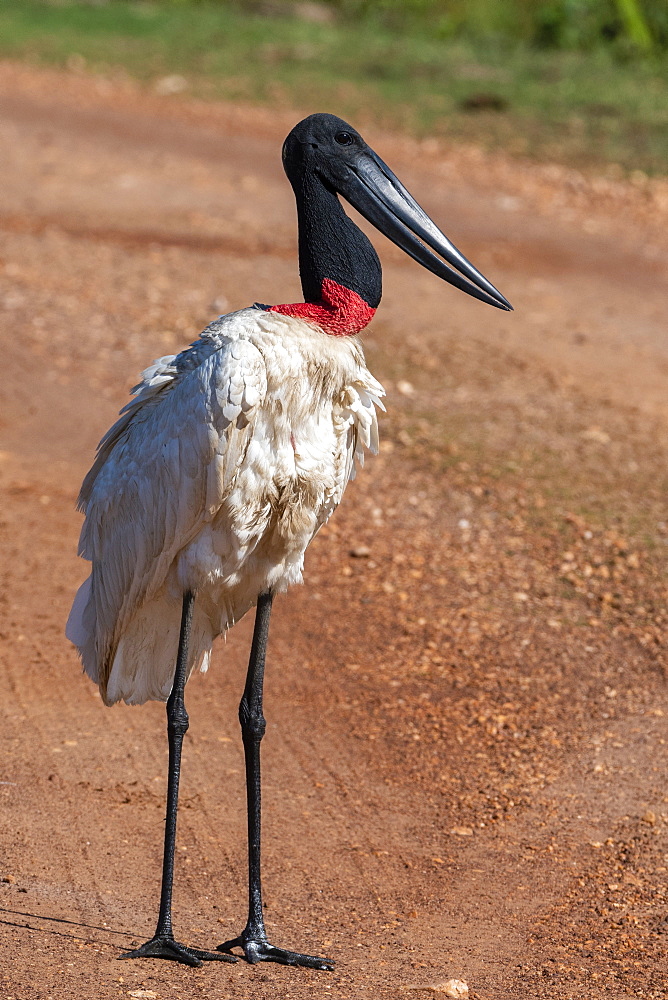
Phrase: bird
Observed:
(228, 458)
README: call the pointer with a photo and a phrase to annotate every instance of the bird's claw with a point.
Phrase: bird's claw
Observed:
(258, 949)
(162, 946)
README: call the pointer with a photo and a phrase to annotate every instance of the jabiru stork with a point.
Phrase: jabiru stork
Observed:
(206, 492)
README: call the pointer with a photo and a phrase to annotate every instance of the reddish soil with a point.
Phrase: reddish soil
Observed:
(465, 763)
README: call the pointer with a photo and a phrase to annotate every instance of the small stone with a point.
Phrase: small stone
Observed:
(462, 831)
(451, 988)
(76, 63)
(143, 994)
(508, 203)
(220, 304)
(649, 817)
(595, 434)
(454, 988)
(405, 388)
(172, 84)
(360, 552)
(315, 13)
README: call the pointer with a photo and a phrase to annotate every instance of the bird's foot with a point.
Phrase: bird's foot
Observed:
(163, 946)
(256, 948)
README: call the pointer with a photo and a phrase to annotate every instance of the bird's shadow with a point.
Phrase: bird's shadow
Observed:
(56, 932)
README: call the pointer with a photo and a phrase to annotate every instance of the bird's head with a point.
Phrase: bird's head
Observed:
(329, 150)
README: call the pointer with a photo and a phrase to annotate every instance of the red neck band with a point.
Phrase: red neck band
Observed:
(340, 312)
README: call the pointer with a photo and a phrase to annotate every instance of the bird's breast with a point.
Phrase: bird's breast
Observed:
(292, 478)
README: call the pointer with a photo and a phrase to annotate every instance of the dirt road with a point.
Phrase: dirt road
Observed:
(465, 762)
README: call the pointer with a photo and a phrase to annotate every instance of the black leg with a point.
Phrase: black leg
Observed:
(162, 944)
(253, 938)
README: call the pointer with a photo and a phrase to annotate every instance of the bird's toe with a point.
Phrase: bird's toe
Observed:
(166, 947)
(258, 949)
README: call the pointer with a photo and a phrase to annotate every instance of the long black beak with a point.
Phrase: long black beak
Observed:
(378, 194)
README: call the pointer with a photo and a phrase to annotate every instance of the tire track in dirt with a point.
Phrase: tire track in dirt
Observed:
(137, 238)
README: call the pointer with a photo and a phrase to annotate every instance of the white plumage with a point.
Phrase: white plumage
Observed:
(214, 480)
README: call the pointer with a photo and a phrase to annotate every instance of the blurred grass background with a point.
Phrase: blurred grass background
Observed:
(581, 82)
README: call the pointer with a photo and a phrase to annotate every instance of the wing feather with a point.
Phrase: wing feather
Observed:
(160, 473)
(357, 411)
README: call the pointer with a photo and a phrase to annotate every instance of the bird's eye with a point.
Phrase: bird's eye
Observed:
(343, 138)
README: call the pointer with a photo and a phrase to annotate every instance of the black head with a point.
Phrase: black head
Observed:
(326, 149)
(324, 145)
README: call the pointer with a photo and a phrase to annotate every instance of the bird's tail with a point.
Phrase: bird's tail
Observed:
(80, 628)
(141, 667)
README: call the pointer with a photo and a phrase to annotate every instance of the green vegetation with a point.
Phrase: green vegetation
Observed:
(631, 27)
(583, 82)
